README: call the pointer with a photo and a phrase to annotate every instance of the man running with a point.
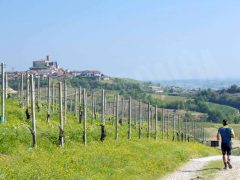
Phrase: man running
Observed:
(226, 134)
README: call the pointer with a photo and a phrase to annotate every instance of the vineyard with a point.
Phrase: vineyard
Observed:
(61, 131)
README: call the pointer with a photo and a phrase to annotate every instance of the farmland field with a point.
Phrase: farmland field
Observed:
(169, 98)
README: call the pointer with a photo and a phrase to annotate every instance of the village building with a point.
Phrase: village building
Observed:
(156, 89)
(44, 64)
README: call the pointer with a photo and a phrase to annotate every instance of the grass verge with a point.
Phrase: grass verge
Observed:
(210, 170)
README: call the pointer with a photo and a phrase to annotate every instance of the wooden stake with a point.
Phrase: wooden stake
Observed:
(39, 94)
(61, 134)
(108, 109)
(71, 105)
(80, 112)
(48, 100)
(80, 96)
(53, 97)
(139, 121)
(6, 85)
(136, 115)
(3, 93)
(22, 93)
(188, 131)
(103, 107)
(19, 90)
(65, 102)
(114, 109)
(95, 108)
(85, 117)
(185, 130)
(162, 123)
(182, 131)
(116, 130)
(46, 93)
(204, 135)
(156, 119)
(122, 111)
(151, 119)
(167, 124)
(148, 122)
(129, 117)
(174, 127)
(92, 108)
(76, 104)
(33, 129)
(179, 132)
(27, 89)
(194, 130)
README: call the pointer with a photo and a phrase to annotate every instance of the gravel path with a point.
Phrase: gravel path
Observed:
(191, 169)
(230, 174)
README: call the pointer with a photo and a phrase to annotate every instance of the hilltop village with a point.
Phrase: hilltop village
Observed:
(46, 67)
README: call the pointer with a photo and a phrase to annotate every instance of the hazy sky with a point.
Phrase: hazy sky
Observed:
(140, 39)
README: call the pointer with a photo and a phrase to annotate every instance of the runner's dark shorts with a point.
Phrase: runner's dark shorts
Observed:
(226, 148)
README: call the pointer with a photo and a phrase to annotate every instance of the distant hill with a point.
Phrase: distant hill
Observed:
(198, 83)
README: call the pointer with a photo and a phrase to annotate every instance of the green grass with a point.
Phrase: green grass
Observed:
(169, 98)
(223, 108)
(125, 159)
(210, 170)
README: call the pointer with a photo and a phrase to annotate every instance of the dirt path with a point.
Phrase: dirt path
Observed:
(191, 169)
(230, 174)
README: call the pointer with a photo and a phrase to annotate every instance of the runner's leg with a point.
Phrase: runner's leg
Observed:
(228, 157)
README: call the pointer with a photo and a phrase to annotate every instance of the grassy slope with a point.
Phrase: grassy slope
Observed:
(123, 159)
(225, 109)
(169, 98)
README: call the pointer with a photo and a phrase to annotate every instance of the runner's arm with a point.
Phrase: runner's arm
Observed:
(232, 134)
(218, 136)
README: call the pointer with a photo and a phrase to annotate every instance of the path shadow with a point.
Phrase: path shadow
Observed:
(206, 169)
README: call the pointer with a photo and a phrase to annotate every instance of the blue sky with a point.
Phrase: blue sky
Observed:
(145, 40)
